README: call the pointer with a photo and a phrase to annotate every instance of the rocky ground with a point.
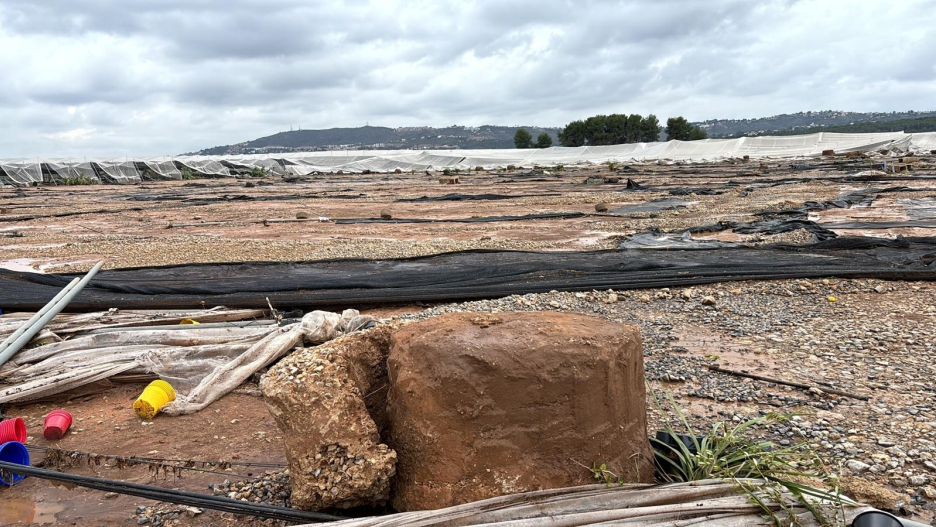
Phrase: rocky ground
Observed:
(865, 337)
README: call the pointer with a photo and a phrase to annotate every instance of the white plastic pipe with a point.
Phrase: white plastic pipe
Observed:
(51, 309)
(45, 309)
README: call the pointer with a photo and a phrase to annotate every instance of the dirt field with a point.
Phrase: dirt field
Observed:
(863, 336)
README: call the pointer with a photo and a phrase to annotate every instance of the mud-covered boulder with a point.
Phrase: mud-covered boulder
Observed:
(318, 398)
(483, 405)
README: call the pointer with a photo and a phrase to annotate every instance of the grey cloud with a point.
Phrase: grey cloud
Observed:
(136, 77)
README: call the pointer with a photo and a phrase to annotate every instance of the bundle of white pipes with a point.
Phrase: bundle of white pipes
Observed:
(28, 330)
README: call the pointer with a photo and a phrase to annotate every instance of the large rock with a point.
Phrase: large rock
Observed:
(485, 405)
(319, 399)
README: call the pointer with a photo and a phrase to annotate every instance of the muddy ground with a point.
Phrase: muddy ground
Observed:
(875, 337)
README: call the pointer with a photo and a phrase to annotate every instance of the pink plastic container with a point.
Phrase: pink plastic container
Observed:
(13, 430)
(56, 424)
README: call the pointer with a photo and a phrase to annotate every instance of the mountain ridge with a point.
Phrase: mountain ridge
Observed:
(457, 137)
(382, 138)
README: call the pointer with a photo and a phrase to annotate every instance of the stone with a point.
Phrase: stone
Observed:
(302, 215)
(917, 481)
(928, 492)
(324, 425)
(708, 300)
(601, 207)
(856, 466)
(483, 406)
(385, 214)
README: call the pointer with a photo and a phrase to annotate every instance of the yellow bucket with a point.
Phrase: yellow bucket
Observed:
(156, 395)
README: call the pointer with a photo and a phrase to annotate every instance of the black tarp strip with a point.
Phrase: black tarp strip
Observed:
(467, 275)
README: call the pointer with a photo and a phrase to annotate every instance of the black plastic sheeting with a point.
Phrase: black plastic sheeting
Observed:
(334, 284)
(473, 197)
(876, 225)
(781, 225)
(696, 191)
(921, 208)
(652, 206)
(788, 220)
(190, 199)
(486, 219)
(861, 198)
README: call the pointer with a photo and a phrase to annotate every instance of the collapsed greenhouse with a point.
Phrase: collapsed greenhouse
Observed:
(23, 172)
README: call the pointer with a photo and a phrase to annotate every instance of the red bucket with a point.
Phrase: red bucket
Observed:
(56, 424)
(13, 430)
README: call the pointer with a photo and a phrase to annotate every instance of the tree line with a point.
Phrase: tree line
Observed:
(614, 129)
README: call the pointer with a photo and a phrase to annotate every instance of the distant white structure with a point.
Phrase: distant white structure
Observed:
(124, 170)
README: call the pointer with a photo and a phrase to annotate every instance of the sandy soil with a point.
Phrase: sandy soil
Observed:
(237, 428)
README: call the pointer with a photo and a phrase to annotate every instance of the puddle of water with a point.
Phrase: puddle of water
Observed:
(21, 265)
(27, 265)
(733, 354)
(17, 247)
(595, 238)
(20, 510)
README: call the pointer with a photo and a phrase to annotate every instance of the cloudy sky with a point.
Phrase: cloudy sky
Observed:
(129, 77)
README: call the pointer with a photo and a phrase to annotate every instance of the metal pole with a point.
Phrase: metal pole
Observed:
(26, 325)
(55, 309)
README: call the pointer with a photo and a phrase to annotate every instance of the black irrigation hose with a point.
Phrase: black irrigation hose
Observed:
(180, 497)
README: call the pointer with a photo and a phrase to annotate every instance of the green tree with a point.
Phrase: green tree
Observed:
(633, 129)
(677, 128)
(596, 130)
(573, 134)
(697, 133)
(680, 129)
(616, 129)
(523, 139)
(543, 140)
(650, 129)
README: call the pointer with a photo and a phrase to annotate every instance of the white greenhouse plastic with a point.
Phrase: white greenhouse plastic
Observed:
(21, 172)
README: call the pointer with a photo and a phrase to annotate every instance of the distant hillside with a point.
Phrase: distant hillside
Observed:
(801, 123)
(382, 138)
(925, 124)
